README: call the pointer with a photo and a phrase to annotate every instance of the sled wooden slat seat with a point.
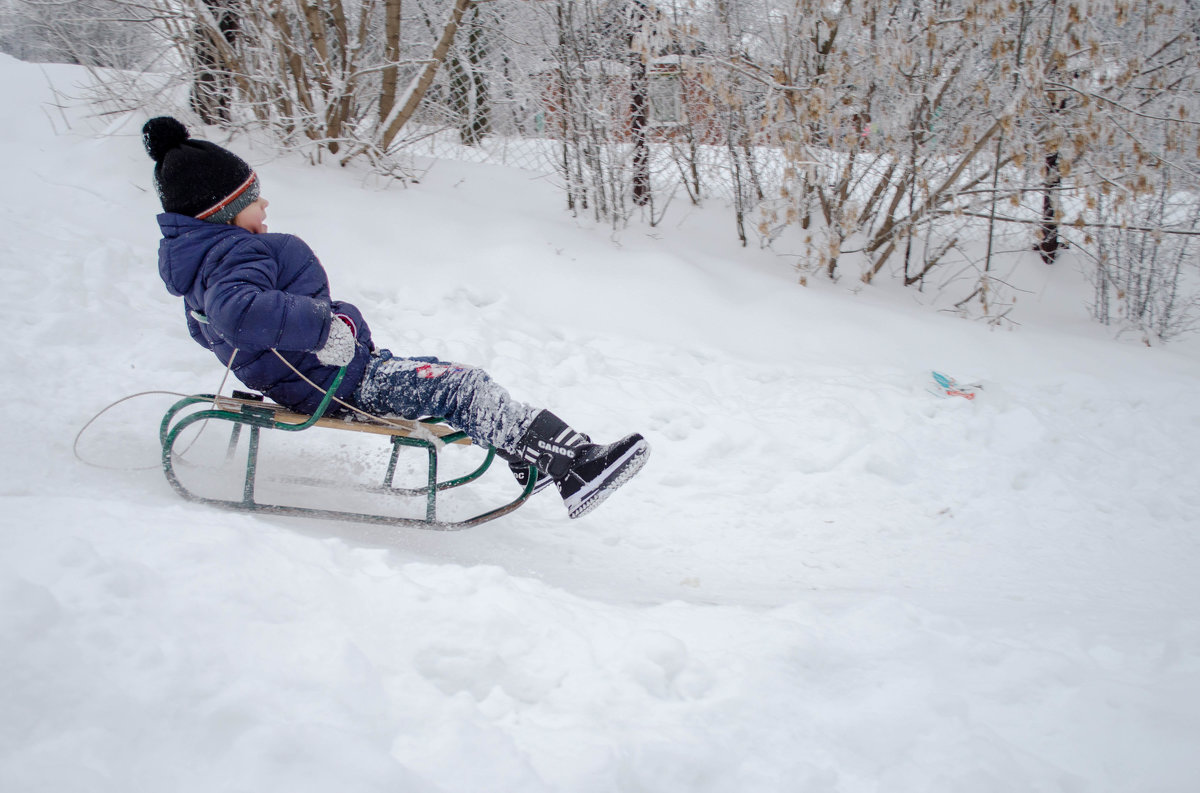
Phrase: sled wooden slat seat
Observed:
(397, 427)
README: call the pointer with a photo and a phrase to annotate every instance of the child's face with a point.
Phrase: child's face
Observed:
(254, 217)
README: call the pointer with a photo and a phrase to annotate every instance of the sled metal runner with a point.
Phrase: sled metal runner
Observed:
(252, 412)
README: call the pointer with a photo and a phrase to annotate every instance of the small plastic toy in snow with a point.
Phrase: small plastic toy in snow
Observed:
(947, 386)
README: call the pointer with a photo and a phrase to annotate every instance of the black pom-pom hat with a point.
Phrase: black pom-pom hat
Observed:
(197, 178)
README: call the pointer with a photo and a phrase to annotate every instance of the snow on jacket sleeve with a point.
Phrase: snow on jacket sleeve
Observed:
(250, 306)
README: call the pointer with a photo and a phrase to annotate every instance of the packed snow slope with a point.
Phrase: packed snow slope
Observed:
(826, 578)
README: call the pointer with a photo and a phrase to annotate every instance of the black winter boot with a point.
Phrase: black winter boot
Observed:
(599, 470)
(520, 470)
(585, 473)
(549, 445)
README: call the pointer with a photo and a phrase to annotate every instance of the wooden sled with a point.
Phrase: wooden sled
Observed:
(252, 411)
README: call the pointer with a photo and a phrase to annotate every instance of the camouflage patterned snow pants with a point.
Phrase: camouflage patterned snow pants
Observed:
(466, 396)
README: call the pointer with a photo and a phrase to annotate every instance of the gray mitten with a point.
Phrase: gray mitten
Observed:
(339, 347)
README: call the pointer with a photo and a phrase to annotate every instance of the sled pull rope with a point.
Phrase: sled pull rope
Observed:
(101, 412)
(113, 404)
(224, 377)
(220, 388)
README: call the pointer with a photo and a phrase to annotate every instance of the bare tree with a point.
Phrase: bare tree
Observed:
(871, 139)
(892, 117)
(93, 33)
(334, 76)
(212, 82)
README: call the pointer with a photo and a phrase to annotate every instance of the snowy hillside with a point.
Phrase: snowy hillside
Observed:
(826, 579)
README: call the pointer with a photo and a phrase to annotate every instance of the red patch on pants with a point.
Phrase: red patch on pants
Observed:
(430, 371)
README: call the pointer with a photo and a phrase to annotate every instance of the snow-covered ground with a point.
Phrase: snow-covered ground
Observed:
(826, 579)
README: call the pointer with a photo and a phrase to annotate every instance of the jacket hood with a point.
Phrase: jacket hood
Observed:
(185, 245)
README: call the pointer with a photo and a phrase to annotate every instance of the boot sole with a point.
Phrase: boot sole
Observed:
(629, 464)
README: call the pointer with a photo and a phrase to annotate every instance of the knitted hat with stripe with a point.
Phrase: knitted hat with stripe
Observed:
(197, 178)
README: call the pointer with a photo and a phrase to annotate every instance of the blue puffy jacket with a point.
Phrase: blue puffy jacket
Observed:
(258, 291)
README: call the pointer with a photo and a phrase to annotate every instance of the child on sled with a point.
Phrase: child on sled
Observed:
(261, 302)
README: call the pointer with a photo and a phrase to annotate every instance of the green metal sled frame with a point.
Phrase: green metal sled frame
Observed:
(263, 415)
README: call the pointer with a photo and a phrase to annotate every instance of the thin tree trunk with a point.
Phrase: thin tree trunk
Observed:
(638, 110)
(416, 92)
(1049, 245)
(391, 53)
(213, 83)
